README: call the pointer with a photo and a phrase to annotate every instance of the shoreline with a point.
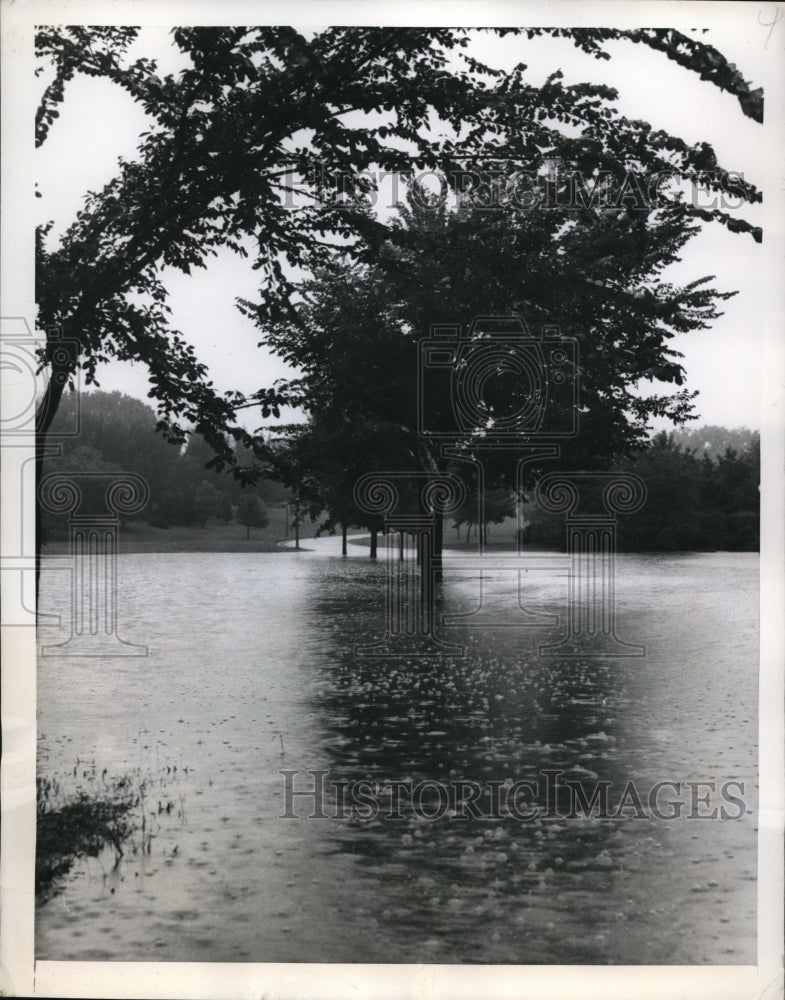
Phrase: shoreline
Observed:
(140, 537)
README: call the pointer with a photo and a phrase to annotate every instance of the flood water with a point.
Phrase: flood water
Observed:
(251, 671)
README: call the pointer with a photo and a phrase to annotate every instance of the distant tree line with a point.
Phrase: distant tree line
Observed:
(702, 484)
(702, 494)
(117, 433)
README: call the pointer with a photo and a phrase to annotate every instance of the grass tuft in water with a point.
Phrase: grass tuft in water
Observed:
(76, 826)
(81, 815)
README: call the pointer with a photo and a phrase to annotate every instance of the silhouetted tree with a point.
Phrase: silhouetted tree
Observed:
(222, 165)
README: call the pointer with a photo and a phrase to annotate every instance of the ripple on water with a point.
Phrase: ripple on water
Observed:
(237, 705)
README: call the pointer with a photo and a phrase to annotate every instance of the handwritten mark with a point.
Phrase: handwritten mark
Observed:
(770, 25)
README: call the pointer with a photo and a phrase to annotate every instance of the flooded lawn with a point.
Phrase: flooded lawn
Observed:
(251, 672)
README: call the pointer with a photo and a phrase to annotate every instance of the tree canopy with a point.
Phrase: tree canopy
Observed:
(251, 141)
(594, 276)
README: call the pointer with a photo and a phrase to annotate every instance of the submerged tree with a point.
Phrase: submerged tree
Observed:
(268, 142)
(593, 274)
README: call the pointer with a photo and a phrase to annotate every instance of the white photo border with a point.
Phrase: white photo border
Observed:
(21, 975)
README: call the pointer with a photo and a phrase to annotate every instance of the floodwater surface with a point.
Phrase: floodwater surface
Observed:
(251, 671)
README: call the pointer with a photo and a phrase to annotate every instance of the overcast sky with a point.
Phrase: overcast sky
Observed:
(99, 122)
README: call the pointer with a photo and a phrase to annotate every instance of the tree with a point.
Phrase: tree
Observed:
(672, 517)
(216, 169)
(321, 461)
(497, 506)
(714, 441)
(207, 503)
(249, 141)
(225, 511)
(119, 432)
(692, 503)
(92, 487)
(694, 55)
(594, 272)
(731, 498)
(249, 146)
(258, 470)
(252, 513)
(122, 430)
(199, 491)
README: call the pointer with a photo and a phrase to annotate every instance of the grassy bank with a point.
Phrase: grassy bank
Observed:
(215, 536)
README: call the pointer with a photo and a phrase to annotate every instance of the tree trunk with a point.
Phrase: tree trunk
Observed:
(297, 533)
(374, 543)
(438, 544)
(247, 532)
(343, 539)
(44, 417)
(39, 466)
